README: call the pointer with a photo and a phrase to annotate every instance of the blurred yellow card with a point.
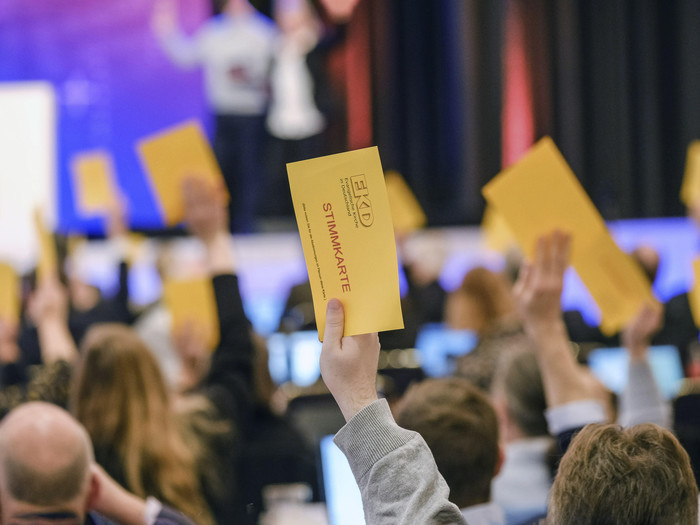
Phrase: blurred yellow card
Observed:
(540, 193)
(694, 293)
(172, 155)
(496, 233)
(406, 212)
(342, 211)
(616, 281)
(690, 189)
(9, 298)
(192, 301)
(94, 182)
(47, 266)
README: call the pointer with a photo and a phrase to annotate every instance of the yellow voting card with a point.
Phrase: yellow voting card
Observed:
(169, 157)
(694, 293)
(496, 233)
(94, 182)
(47, 265)
(192, 301)
(342, 211)
(9, 293)
(690, 189)
(406, 212)
(540, 193)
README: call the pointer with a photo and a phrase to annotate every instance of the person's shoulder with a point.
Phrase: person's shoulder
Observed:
(264, 23)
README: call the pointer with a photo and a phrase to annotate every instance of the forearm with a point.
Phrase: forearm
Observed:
(561, 376)
(641, 400)
(220, 256)
(179, 48)
(395, 471)
(56, 341)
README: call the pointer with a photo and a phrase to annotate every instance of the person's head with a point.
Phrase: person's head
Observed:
(518, 395)
(610, 475)
(120, 396)
(45, 459)
(481, 303)
(459, 425)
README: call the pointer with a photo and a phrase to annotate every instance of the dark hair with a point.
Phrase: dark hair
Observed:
(459, 425)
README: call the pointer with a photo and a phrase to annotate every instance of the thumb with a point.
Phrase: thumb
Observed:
(335, 320)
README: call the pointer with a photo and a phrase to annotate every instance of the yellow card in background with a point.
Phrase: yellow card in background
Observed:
(342, 211)
(540, 193)
(9, 293)
(406, 212)
(690, 189)
(496, 233)
(172, 155)
(47, 265)
(193, 301)
(694, 293)
(94, 182)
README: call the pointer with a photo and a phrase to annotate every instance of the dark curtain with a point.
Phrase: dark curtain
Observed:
(615, 82)
(623, 78)
(436, 69)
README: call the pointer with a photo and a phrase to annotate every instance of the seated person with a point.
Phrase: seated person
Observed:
(398, 479)
(522, 486)
(47, 475)
(639, 475)
(460, 426)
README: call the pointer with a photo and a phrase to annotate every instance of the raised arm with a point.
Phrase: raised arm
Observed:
(641, 400)
(231, 368)
(570, 401)
(164, 24)
(117, 504)
(48, 310)
(396, 473)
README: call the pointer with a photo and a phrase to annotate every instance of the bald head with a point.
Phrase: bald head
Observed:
(45, 456)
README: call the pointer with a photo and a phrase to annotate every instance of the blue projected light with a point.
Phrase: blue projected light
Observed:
(439, 347)
(113, 83)
(610, 366)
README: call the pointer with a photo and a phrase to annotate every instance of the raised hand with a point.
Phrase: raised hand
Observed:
(538, 289)
(348, 364)
(637, 335)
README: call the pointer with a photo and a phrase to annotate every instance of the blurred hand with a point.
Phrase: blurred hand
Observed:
(348, 364)
(538, 289)
(164, 18)
(117, 222)
(637, 335)
(206, 213)
(49, 302)
(340, 11)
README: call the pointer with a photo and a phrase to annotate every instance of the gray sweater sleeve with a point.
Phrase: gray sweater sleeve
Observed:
(395, 470)
(641, 401)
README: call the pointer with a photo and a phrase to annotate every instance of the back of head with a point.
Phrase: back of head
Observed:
(612, 475)
(121, 397)
(487, 301)
(118, 390)
(45, 458)
(518, 384)
(459, 425)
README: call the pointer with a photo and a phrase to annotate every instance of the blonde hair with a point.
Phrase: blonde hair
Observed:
(638, 475)
(491, 296)
(121, 398)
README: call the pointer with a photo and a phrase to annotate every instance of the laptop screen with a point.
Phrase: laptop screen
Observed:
(610, 366)
(343, 500)
(439, 347)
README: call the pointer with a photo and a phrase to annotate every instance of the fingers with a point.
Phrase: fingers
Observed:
(335, 321)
